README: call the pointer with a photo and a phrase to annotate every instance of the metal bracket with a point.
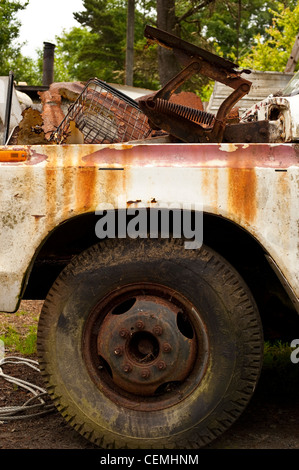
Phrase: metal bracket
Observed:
(185, 123)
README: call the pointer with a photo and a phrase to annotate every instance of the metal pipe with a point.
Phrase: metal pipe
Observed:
(48, 63)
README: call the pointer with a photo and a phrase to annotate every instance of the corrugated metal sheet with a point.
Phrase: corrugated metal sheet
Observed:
(263, 84)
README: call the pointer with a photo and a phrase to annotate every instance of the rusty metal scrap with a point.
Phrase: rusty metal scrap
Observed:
(187, 98)
(104, 115)
(68, 90)
(253, 132)
(35, 127)
(52, 113)
(183, 122)
(30, 129)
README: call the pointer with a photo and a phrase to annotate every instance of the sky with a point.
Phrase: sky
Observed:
(42, 20)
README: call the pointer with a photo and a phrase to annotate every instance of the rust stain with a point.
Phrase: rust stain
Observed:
(284, 184)
(68, 192)
(51, 178)
(129, 203)
(209, 182)
(85, 188)
(242, 193)
(51, 190)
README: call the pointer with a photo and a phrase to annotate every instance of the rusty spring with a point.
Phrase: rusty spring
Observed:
(195, 115)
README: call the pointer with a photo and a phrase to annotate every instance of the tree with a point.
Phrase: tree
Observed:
(130, 42)
(272, 54)
(98, 48)
(167, 21)
(232, 25)
(171, 16)
(9, 32)
(76, 56)
(107, 21)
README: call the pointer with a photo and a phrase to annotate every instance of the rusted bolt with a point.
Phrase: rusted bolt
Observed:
(157, 330)
(166, 347)
(124, 333)
(161, 365)
(245, 87)
(118, 351)
(196, 66)
(139, 324)
(145, 373)
(127, 368)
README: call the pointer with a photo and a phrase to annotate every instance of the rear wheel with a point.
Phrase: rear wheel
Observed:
(143, 343)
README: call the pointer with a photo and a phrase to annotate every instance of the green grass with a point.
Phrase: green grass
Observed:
(277, 355)
(22, 342)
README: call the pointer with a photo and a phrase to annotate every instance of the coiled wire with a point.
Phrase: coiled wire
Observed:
(29, 409)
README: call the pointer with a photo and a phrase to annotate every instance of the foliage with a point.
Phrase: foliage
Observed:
(9, 32)
(97, 49)
(22, 342)
(25, 69)
(72, 53)
(107, 23)
(253, 33)
(272, 54)
(232, 24)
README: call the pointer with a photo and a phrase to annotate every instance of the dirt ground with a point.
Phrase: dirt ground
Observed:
(271, 420)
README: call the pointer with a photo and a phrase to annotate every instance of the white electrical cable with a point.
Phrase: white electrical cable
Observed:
(27, 410)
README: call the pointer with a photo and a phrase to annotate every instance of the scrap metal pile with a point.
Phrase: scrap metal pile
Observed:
(100, 113)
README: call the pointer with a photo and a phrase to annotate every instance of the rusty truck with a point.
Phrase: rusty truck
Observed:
(151, 336)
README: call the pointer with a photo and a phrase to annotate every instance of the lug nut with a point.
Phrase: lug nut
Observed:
(118, 351)
(166, 347)
(157, 330)
(127, 368)
(161, 365)
(124, 333)
(139, 325)
(145, 373)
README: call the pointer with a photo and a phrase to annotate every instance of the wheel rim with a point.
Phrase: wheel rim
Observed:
(145, 346)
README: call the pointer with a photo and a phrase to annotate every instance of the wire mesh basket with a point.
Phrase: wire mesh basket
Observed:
(104, 115)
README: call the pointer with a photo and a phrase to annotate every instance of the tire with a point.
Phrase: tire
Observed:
(145, 344)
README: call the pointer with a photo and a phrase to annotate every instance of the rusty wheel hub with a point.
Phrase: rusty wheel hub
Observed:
(141, 341)
(144, 347)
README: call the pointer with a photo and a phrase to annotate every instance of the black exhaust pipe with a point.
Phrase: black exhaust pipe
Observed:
(48, 64)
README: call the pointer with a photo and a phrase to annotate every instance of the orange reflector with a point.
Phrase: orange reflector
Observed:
(13, 155)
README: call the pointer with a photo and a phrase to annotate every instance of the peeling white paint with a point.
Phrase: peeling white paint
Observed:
(228, 147)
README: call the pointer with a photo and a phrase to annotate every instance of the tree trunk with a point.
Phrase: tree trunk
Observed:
(238, 29)
(130, 43)
(166, 20)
